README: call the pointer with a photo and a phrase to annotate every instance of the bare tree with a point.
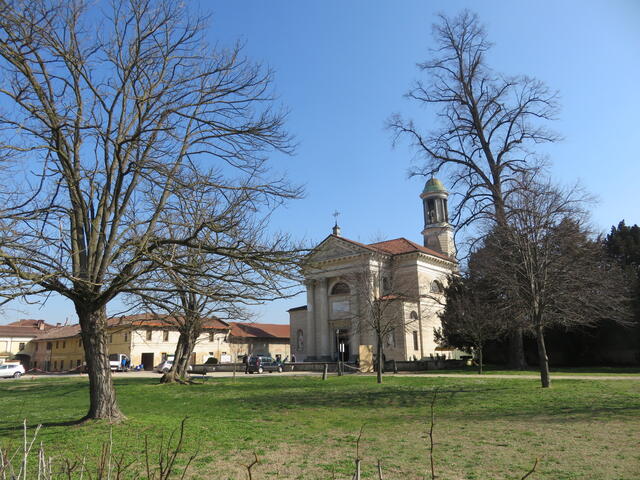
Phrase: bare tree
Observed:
(382, 296)
(548, 270)
(471, 315)
(196, 284)
(113, 106)
(488, 127)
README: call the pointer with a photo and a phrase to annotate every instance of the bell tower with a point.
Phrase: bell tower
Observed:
(437, 232)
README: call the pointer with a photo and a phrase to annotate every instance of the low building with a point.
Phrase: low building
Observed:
(147, 340)
(15, 339)
(260, 339)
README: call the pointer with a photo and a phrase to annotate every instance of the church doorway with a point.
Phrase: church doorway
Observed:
(342, 345)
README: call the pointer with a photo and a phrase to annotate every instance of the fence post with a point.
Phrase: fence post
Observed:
(395, 367)
(324, 372)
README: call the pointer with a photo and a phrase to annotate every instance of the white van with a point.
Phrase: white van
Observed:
(116, 362)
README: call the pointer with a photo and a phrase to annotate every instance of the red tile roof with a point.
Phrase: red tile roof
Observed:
(401, 245)
(66, 331)
(139, 320)
(11, 331)
(397, 246)
(260, 330)
(29, 323)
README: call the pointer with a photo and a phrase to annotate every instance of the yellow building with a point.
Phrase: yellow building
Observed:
(16, 338)
(260, 338)
(147, 340)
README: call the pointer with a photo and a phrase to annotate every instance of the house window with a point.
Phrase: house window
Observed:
(55, 364)
(163, 356)
(111, 338)
(149, 332)
(61, 364)
(165, 335)
(415, 340)
(57, 345)
(21, 346)
(78, 363)
(385, 285)
(340, 288)
(37, 345)
(80, 342)
(49, 345)
(126, 337)
(211, 336)
(64, 344)
(35, 364)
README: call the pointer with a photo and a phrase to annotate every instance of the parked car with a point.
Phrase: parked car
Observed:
(165, 365)
(119, 362)
(261, 364)
(8, 370)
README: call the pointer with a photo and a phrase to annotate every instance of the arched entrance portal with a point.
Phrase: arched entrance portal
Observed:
(342, 345)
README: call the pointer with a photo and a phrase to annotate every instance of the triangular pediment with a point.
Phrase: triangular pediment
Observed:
(333, 247)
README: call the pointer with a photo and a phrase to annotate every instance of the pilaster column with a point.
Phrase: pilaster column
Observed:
(322, 318)
(310, 325)
(355, 326)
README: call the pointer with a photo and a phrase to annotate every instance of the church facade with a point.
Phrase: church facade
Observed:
(391, 290)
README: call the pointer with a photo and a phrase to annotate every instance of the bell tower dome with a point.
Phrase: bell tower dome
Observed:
(437, 232)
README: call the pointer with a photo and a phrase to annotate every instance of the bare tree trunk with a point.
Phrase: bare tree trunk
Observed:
(102, 394)
(380, 361)
(480, 359)
(543, 359)
(517, 360)
(184, 348)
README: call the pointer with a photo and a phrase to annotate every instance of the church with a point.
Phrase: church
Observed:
(391, 290)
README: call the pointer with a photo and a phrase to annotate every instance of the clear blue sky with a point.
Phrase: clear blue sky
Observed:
(342, 67)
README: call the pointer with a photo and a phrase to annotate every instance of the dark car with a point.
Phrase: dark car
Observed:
(263, 364)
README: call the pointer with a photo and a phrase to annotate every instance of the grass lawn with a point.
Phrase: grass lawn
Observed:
(302, 427)
(580, 371)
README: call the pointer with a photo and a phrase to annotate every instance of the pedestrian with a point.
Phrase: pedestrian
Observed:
(245, 360)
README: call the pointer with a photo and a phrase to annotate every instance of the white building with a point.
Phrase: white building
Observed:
(347, 280)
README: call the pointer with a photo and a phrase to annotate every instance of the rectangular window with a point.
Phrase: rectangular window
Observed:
(126, 337)
(49, 345)
(55, 365)
(149, 332)
(415, 340)
(163, 356)
(111, 338)
(61, 364)
(57, 344)
(211, 336)
(78, 363)
(37, 345)
(35, 364)
(165, 336)
(64, 344)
